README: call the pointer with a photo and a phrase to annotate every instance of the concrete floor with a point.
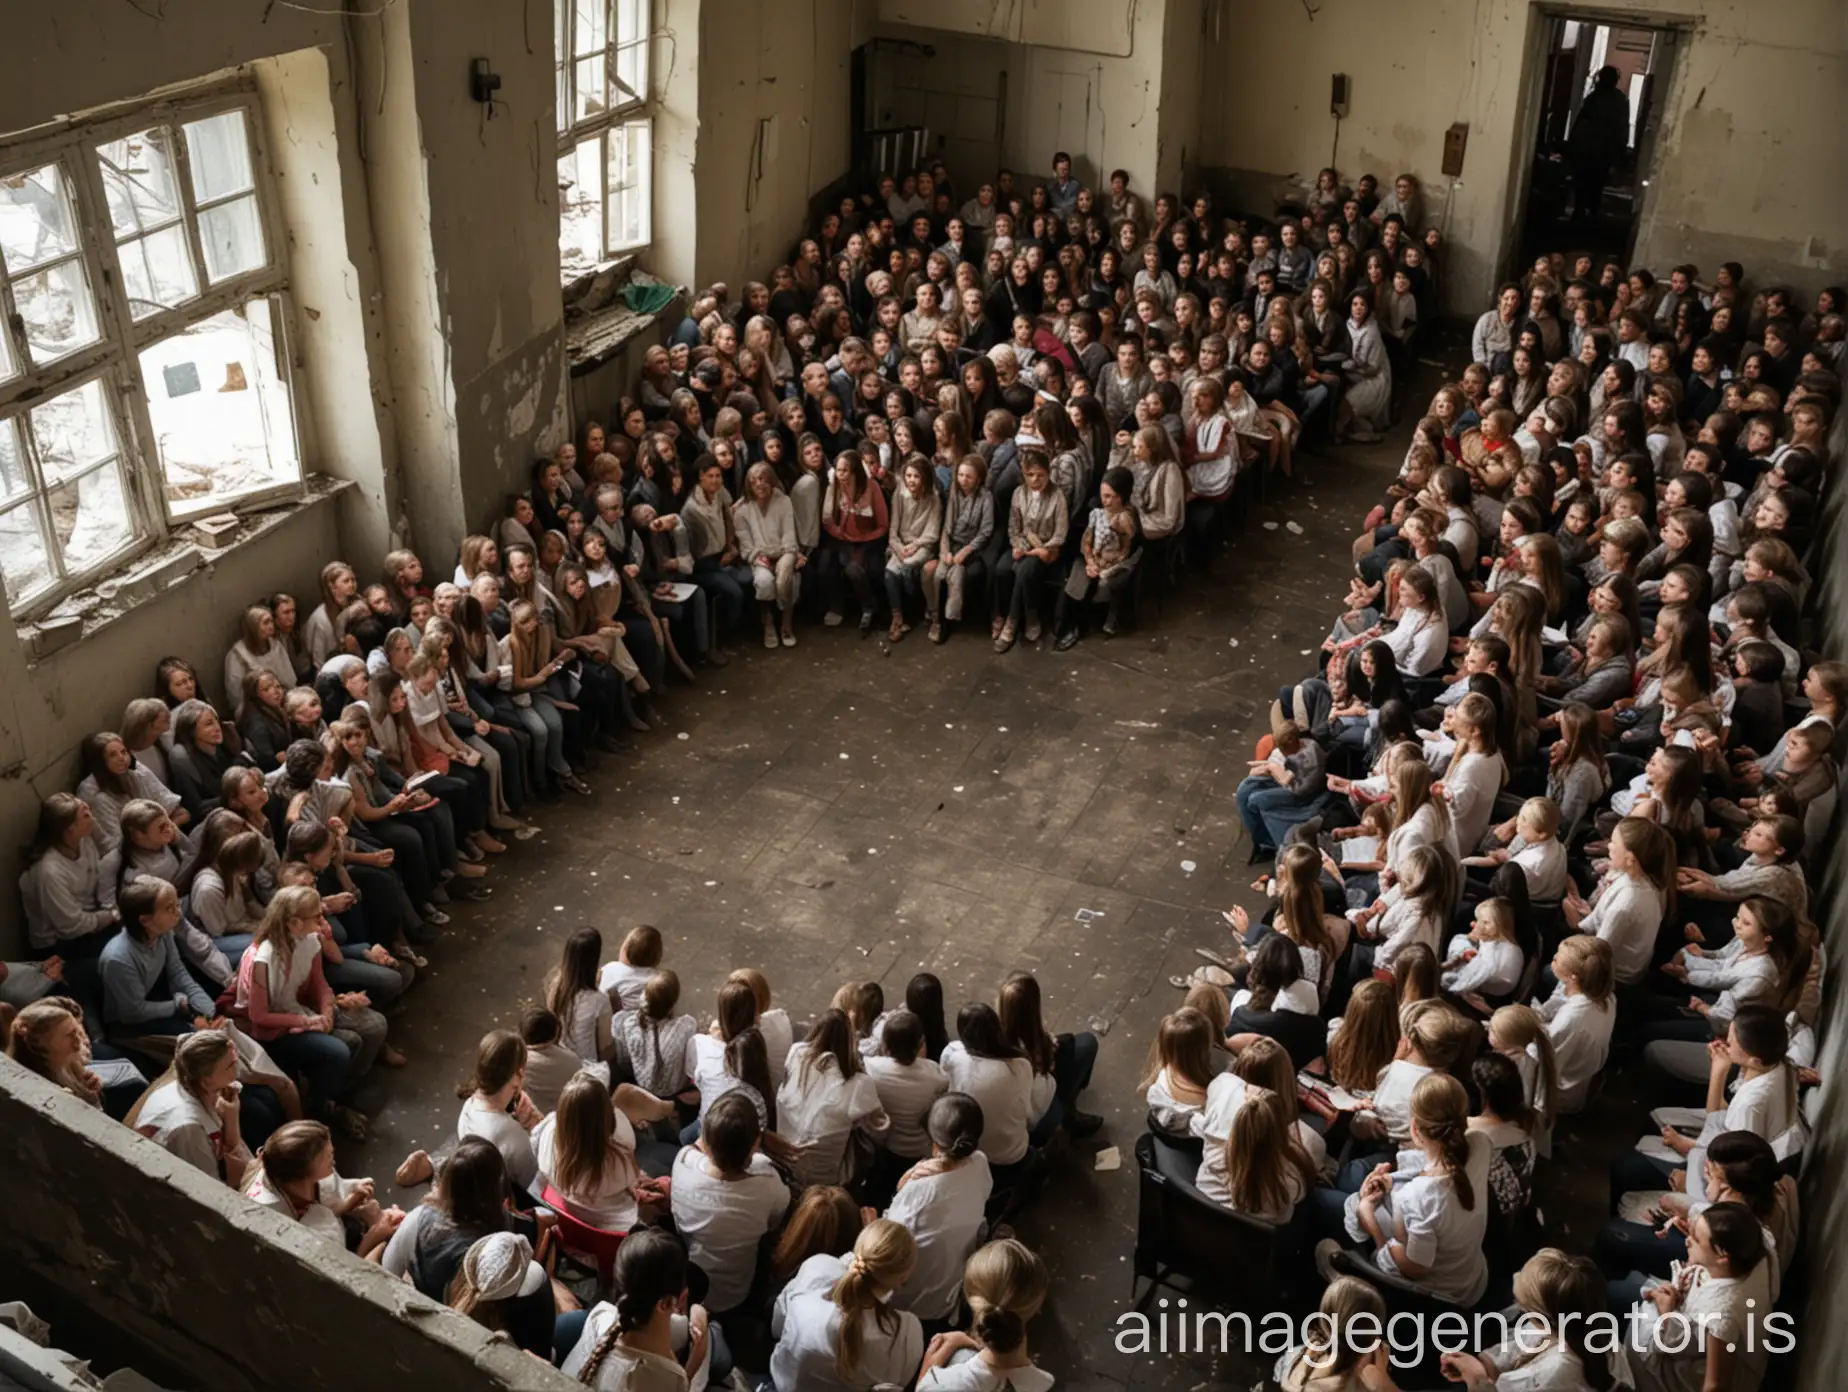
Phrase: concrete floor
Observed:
(840, 812)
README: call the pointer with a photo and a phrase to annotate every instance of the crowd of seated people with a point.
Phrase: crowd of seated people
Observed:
(1550, 805)
(1570, 676)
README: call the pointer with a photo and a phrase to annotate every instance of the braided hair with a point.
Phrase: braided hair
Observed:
(1440, 1111)
(651, 1266)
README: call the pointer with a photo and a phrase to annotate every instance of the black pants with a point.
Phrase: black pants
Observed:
(849, 563)
(1016, 586)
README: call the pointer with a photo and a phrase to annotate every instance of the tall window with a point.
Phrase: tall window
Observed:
(605, 129)
(143, 368)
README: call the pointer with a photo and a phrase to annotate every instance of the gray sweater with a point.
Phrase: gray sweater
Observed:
(968, 521)
(133, 970)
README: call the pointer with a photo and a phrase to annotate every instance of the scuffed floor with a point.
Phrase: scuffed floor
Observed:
(838, 812)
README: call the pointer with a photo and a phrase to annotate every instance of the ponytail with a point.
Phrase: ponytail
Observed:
(1440, 1112)
(883, 1256)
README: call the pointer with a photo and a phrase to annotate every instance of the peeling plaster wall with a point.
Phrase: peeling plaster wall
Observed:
(235, 1294)
(773, 101)
(1087, 78)
(1754, 116)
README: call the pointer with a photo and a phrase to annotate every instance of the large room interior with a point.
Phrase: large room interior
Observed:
(290, 283)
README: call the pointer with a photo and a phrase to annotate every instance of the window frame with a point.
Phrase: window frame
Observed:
(636, 108)
(115, 358)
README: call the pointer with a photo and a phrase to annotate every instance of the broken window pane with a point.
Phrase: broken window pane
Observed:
(580, 207)
(631, 63)
(219, 153)
(73, 432)
(55, 306)
(91, 519)
(14, 480)
(231, 235)
(628, 188)
(157, 272)
(36, 225)
(23, 562)
(139, 181)
(220, 409)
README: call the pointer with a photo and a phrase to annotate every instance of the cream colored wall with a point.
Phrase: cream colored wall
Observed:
(773, 127)
(1754, 116)
(1098, 94)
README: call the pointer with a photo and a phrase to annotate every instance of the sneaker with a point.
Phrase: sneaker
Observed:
(1005, 638)
(936, 633)
(576, 784)
(434, 917)
(1033, 630)
(770, 638)
(789, 640)
(1067, 641)
(831, 619)
(1082, 1124)
(866, 624)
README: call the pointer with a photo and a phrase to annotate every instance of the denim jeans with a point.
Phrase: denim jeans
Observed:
(320, 1059)
(1073, 1058)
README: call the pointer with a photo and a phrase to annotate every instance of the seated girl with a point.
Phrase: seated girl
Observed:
(652, 1037)
(1426, 1213)
(1486, 962)
(147, 990)
(70, 909)
(496, 1109)
(1694, 1329)
(570, 993)
(827, 1096)
(1562, 1301)
(585, 1153)
(981, 1063)
(1580, 1016)
(834, 1325)
(193, 1113)
(1005, 1284)
(1181, 1069)
(908, 1083)
(942, 1201)
(295, 1176)
(468, 1202)
(642, 1340)
(1265, 1172)
(112, 779)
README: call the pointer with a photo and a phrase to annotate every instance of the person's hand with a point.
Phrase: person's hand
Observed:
(631, 571)
(1463, 1367)
(526, 1113)
(1675, 1141)
(338, 903)
(948, 1344)
(1663, 1297)
(226, 1106)
(1676, 970)
(1693, 934)
(397, 804)
(181, 1003)
(53, 967)
(699, 1334)
(380, 956)
(201, 1023)
(1808, 1077)
(1238, 918)
(1699, 1006)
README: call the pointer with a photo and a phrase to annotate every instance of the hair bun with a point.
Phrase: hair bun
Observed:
(999, 1328)
(964, 1146)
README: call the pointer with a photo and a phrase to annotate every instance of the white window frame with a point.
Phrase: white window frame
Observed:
(114, 359)
(629, 29)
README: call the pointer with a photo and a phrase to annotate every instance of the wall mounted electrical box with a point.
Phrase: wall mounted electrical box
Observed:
(1338, 95)
(1454, 140)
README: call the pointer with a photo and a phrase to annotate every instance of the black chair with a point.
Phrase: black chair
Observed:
(1180, 1233)
(1401, 1297)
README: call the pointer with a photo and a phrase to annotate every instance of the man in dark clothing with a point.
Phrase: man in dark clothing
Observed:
(1600, 135)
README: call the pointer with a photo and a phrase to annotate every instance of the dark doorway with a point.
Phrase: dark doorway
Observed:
(1600, 100)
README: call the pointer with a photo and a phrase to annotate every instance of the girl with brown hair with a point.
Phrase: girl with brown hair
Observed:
(833, 1324)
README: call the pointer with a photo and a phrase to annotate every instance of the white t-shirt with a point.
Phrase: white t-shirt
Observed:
(548, 1068)
(1392, 1095)
(945, 1213)
(1718, 1308)
(1298, 996)
(612, 1207)
(1581, 1031)
(779, 1038)
(285, 986)
(590, 1017)
(967, 1371)
(722, 1221)
(1213, 1124)
(624, 982)
(1004, 1088)
(505, 1134)
(806, 1326)
(906, 1091)
(183, 1126)
(1437, 1231)
(320, 1219)
(623, 1369)
(818, 1111)
(705, 1067)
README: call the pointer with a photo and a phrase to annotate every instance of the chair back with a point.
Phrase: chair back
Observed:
(595, 1245)
(1180, 1232)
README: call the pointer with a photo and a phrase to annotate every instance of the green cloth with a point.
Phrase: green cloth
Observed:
(647, 299)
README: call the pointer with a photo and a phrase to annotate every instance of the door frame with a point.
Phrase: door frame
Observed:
(1678, 28)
